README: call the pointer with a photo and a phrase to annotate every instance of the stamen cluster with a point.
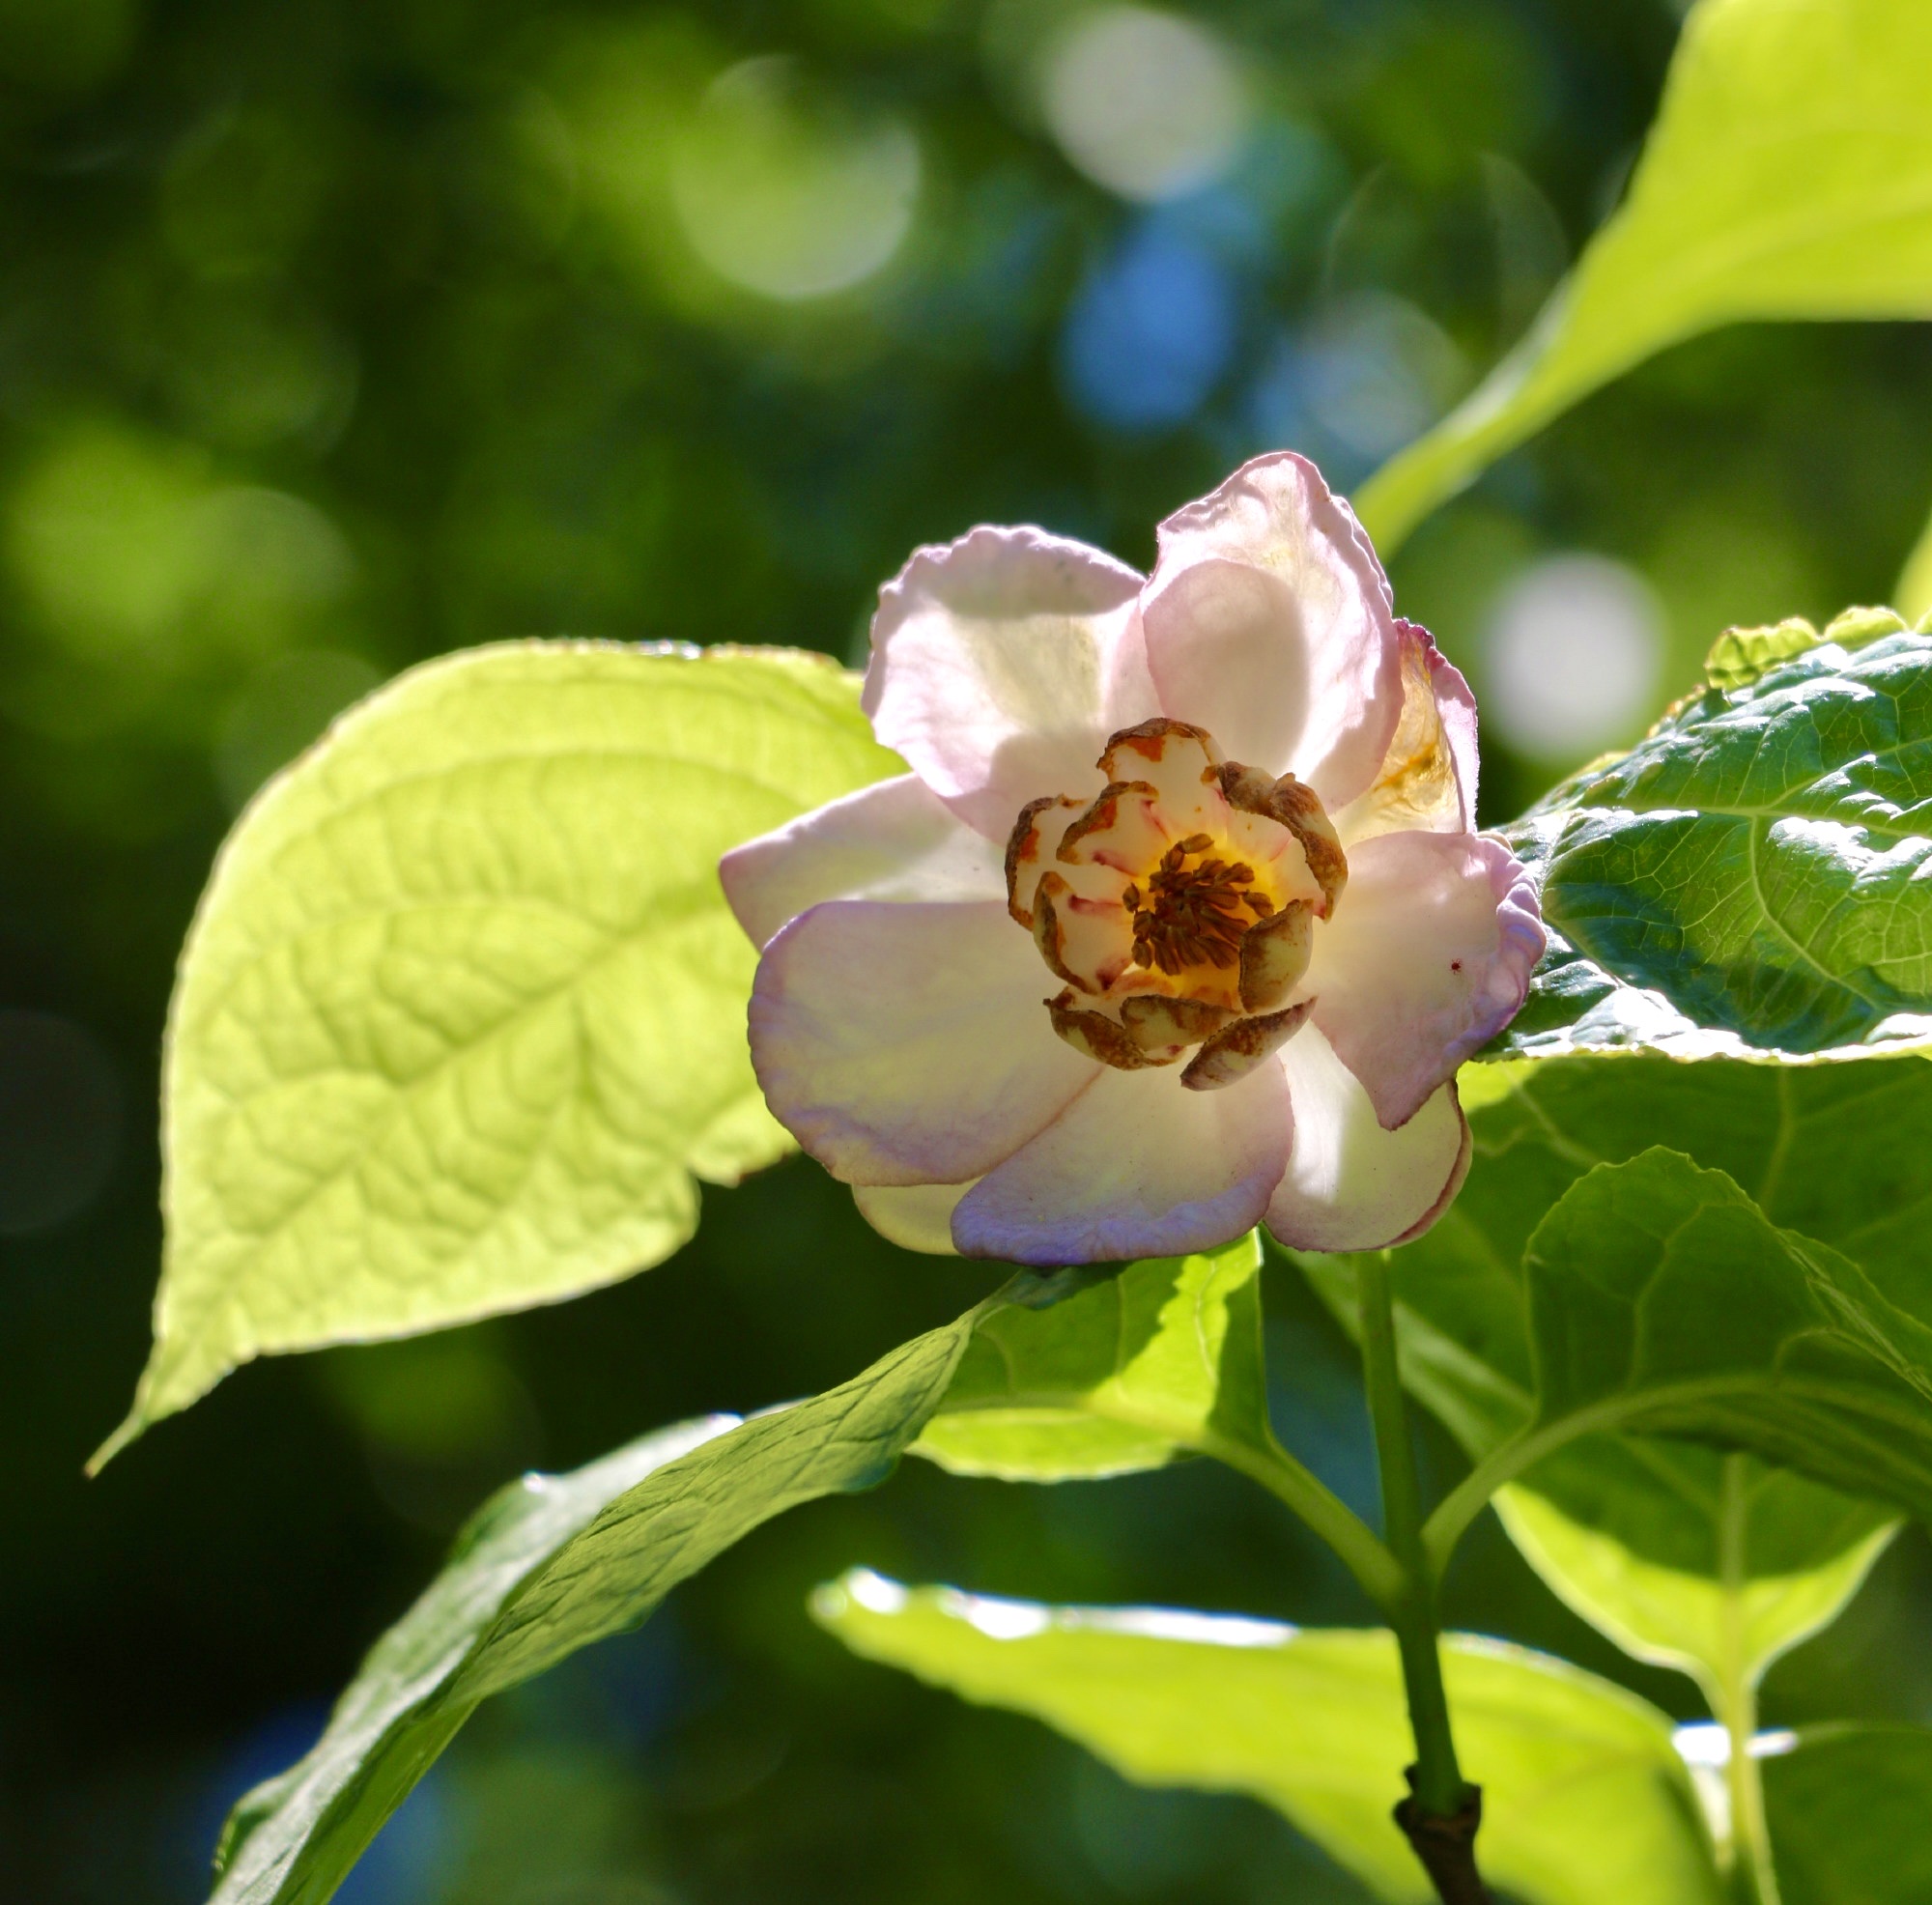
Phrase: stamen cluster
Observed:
(1191, 916)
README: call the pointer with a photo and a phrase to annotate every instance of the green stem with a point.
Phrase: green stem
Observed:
(1734, 1699)
(1440, 1790)
(1380, 1573)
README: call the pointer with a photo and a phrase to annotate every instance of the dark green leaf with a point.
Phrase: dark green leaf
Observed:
(1751, 879)
(549, 1565)
(1584, 1799)
(1848, 1815)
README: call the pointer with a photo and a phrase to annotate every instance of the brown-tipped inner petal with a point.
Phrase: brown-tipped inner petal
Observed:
(1026, 849)
(1140, 833)
(1048, 934)
(1274, 955)
(1150, 741)
(1237, 1049)
(1298, 807)
(1101, 1038)
(1157, 1023)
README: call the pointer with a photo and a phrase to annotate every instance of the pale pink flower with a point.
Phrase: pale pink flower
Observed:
(1179, 923)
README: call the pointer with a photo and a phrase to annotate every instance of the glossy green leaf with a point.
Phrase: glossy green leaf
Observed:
(1123, 1371)
(1848, 1815)
(1835, 1152)
(1663, 1300)
(1788, 175)
(462, 1014)
(1583, 1797)
(1748, 880)
(549, 1565)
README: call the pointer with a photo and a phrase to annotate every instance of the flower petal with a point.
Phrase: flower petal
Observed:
(892, 841)
(914, 1217)
(907, 1044)
(1427, 778)
(1135, 1167)
(1269, 623)
(1426, 958)
(1000, 663)
(1350, 1185)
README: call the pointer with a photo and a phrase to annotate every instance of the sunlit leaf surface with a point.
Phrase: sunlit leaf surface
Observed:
(1673, 1556)
(1583, 1797)
(1788, 175)
(1124, 1372)
(462, 1014)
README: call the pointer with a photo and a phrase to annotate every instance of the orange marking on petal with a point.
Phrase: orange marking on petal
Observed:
(1023, 850)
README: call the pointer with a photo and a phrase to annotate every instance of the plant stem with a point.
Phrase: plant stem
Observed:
(1753, 1876)
(1441, 1814)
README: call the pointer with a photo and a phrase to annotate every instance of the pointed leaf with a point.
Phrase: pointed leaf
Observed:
(1759, 1558)
(1663, 1300)
(1119, 1372)
(1788, 175)
(549, 1565)
(1649, 1538)
(1748, 880)
(1583, 1797)
(462, 1012)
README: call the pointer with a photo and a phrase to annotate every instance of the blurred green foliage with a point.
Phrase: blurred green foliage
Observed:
(334, 336)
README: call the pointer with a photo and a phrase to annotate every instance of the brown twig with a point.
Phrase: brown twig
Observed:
(1447, 1846)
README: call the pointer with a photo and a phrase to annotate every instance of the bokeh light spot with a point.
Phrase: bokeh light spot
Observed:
(1149, 333)
(61, 1114)
(1149, 105)
(787, 194)
(1570, 657)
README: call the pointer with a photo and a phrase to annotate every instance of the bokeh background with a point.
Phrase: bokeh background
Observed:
(337, 334)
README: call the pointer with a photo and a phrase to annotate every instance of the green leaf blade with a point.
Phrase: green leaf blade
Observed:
(460, 1016)
(1748, 880)
(1126, 1370)
(1584, 1796)
(550, 1565)
(1788, 175)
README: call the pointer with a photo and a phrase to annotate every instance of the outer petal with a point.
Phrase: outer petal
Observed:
(1000, 663)
(907, 1043)
(1428, 955)
(1350, 1185)
(1269, 623)
(1427, 778)
(1135, 1167)
(914, 1217)
(892, 841)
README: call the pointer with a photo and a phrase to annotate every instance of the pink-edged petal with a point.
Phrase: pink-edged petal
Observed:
(1269, 623)
(1135, 1167)
(1000, 663)
(914, 1217)
(1350, 1185)
(1427, 778)
(892, 841)
(907, 1044)
(1426, 958)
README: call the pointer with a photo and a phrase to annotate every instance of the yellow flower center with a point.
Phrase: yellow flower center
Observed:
(1180, 900)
